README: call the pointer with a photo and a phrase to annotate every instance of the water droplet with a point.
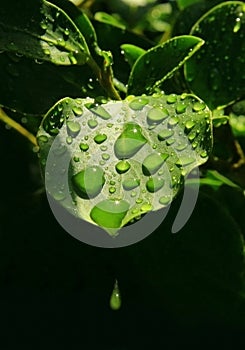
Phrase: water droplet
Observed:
(42, 139)
(191, 136)
(181, 147)
(69, 140)
(129, 142)
(43, 25)
(189, 124)
(47, 52)
(154, 184)
(138, 103)
(172, 98)
(84, 147)
(115, 300)
(180, 107)
(89, 182)
(165, 134)
(198, 106)
(92, 123)
(184, 161)
(164, 200)
(103, 148)
(100, 138)
(237, 26)
(152, 163)
(203, 154)
(122, 167)
(157, 115)
(105, 156)
(76, 159)
(173, 121)
(67, 32)
(59, 196)
(109, 213)
(112, 189)
(130, 184)
(99, 111)
(169, 142)
(77, 110)
(146, 207)
(73, 128)
(139, 201)
(72, 58)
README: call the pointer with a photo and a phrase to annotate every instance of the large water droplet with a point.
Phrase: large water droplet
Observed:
(100, 111)
(152, 163)
(189, 124)
(154, 184)
(77, 110)
(109, 213)
(138, 103)
(181, 107)
(130, 184)
(199, 106)
(84, 147)
(89, 182)
(115, 300)
(172, 98)
(92, 123)
(100, 138)
(157, 115)
(122, 167)
(73, 128)
(129, 142)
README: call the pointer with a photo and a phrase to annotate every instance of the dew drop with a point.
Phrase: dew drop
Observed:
(164, 200)
(189, 124)
(165, 134)
(180, 107)
(84, 147)
(100, 138)
(173, 121)
(130, 141)
(122, 167)
(92, 123)
(154, 184)
(89, 182)
(170, 141)
(203, 154)
(172, 98)
(130, 184)
(184, 161)
(73, 128)
(199, 106)
(152, 163)
(146, 207)
(69, 140)
(100, 111)
(78, 111)
(112, 189)
(138, 103)
(105, 156)
(157, 115)
(109, 213)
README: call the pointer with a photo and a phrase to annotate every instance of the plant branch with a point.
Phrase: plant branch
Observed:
(13, 124)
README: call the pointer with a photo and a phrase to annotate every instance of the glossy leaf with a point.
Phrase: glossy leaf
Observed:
(125, 158)
(132, 53)
(43, 32)
(221, 78)
(160, 63)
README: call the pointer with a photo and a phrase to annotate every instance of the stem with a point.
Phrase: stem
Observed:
(13, 124)
(105, 79)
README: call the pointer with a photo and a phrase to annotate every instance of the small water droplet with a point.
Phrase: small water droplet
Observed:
(154, 184)
(112, 189)
(203, 154)
(73, 128)
(100, 138)
(72, 58)
(77, 110)
(146, 207)
(189, 124)
(67, 32)
(43, 25)
(130, 184)
(170, 141)
(157, 115)
(99, 111)
(191, 136)
(164, 200)
(173, 121)
(172, 98)
(180, 107)
(92, 123)
(122, 167)
(105, 156)
(115, 300)
(84, 147)
(69, 140)
(198, 106)
(138, 103)
(165, 134)
(103, 148)
(42, 139)
(237, 26)
(184, 161)
(153, 162)
(76, 159)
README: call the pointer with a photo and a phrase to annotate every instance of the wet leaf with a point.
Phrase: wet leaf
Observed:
(160, 62)
(221, 78)
(43, 32)
(123, 158)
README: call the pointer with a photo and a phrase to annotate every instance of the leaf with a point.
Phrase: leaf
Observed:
(32, 87)
(160, 62)
(43, 32)
(123, 158)
(132, 53)
(220, 81)
(109, 19)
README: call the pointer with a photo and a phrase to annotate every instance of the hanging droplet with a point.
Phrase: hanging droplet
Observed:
(88, 183)
(152, 163)
(115, 299)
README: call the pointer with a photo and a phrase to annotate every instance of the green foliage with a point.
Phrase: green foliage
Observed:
(135, 89)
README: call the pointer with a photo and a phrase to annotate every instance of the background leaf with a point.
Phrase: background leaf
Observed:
(221, 78)
(160, 62)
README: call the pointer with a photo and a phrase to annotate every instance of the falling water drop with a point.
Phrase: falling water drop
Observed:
(115, 299)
